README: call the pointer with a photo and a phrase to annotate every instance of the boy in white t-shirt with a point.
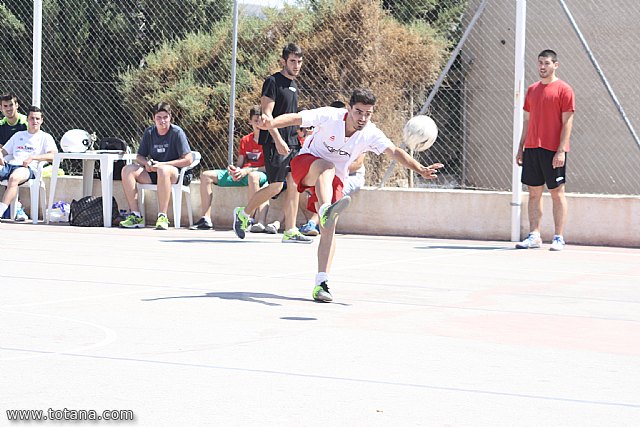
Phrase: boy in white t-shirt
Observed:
(340, 136)
(19, 157)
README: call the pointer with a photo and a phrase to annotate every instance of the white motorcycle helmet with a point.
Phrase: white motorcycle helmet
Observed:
(76, 141)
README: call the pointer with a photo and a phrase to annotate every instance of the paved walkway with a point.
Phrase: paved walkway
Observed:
(200, 328)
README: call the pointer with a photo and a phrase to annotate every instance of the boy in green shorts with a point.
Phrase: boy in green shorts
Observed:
(248, 172)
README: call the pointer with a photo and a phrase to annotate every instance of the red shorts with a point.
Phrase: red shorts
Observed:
(300, 168)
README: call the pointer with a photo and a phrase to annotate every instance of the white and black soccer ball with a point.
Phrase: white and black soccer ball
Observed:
(420, 133)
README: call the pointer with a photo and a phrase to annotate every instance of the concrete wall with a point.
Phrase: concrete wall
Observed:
(460, 214)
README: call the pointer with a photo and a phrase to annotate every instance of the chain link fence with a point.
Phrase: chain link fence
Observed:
(474, 108)
(106, 62)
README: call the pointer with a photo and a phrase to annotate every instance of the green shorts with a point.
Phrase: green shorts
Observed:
(225, 180)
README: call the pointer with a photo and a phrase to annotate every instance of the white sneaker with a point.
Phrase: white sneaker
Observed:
(272, 228)
(557, 244)
(258, 227)
(21, 215)
(533, 241)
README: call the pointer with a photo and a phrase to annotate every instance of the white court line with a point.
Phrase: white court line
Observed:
(467, 390)
(64, 300)
(110, 336)
(421, 258)
(581, 273)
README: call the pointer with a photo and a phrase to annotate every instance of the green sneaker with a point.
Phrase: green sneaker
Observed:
(330, 214)
(162, 223)
(240, 222)
(321, 293)
(295, 237)
(132, 221)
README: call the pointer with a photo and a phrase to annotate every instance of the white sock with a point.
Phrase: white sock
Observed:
(207, 219)
(136, 213)
(3, 208)
(161, 214)
(292, 230)
(321, 277)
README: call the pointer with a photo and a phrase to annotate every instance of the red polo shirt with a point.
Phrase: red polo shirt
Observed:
(545, 104)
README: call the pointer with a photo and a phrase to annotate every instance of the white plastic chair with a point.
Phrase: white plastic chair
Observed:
(38, 194)
(177, 190)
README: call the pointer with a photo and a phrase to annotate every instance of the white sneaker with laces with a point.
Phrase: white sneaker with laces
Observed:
(533, 241)
(557, 244)
(21, 215)
(258, 227)
(272, 228)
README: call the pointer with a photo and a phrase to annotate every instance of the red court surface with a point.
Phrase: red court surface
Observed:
(200, 328)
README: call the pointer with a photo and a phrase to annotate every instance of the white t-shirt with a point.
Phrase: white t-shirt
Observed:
(24, 144)
(328, 140)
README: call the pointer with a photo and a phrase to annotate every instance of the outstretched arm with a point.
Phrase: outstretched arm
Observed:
(283, 121)
(401, 156)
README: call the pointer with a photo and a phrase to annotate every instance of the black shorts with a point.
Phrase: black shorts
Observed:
(276, 165)
(537, 168)
(188, 177)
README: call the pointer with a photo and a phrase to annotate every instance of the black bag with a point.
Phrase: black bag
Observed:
(114, 144)
(87, 212)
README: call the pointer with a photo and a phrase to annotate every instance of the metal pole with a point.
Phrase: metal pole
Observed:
(443, 74)
(604, 79)
(36, 88)
(232, 96)
(518, 103)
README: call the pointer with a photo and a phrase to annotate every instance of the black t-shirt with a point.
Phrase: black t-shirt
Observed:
(7, 130)
(285, 94)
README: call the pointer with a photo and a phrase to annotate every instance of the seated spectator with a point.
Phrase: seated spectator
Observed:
(11, 123)
(19, 157)
(303, 133)
(164, 149)
(248, 172)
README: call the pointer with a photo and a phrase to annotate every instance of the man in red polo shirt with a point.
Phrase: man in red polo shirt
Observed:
(247, 172)
(548, 118)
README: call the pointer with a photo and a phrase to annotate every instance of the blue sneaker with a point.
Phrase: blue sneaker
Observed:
(240, 222)
(310, 229)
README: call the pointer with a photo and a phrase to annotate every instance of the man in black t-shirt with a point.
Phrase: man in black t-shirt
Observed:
(12, 123)
(279, 96)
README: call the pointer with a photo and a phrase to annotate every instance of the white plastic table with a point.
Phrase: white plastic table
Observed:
(89, 158)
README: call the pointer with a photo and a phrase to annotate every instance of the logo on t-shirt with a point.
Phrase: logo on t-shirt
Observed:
(336, 150)
(25, 148)
(160, 148)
